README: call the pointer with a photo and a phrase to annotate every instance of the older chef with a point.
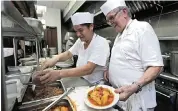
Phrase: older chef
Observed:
(89, 48)
(135, 59)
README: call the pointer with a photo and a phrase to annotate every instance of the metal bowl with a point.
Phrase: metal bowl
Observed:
(26, 59)
(30, 63)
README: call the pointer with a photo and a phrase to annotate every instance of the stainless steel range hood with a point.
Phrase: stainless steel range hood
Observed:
(138, 9)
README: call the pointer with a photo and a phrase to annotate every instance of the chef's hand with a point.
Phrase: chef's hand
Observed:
(106, 75)
(49, 75)
(49, 63)
(36, 77)
(126, 91)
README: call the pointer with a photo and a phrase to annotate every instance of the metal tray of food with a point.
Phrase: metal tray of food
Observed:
(55, 89)
(63, 105)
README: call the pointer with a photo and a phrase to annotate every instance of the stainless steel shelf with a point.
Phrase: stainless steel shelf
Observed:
(168, 38)
(11, 103)
(16, 32)
(21, 27)
(24, 89)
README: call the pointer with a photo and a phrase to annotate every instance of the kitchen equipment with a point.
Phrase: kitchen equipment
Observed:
(166, 61)
(14, 88)
(42, 92)
(8, 52)
(49, 84)
(22, 77)
(40, 104)
(52, 51)
(26, 69)
(30, 63)
(29, 83)
(69, 34)
(11, 103)
(13, 68)
(35, 23)
(43, 43)
(45, 52)
(166, 92)
(11, 87)
(58, 99)
(174, 63)
(22, 60)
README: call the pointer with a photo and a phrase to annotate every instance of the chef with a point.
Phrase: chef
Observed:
(135, 59)
(92, 51)
(69, 43)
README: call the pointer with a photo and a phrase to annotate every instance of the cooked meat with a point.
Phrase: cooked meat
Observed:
(42, 93)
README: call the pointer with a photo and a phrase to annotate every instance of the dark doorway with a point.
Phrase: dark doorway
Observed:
(51, 36)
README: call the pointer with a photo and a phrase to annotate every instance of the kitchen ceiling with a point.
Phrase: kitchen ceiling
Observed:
(61, 4)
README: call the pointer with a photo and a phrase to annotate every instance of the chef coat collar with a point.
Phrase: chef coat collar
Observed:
(125, 29)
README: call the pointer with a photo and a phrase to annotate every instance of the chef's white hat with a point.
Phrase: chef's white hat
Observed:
(109, 5)
(71, 38)
(81, 18)
(109, 42)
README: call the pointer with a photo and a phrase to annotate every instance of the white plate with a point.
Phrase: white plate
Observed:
(26, 59)
(30, 63)
(63, 64)
(116, 98)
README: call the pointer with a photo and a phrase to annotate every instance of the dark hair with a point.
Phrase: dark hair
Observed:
(86, 24)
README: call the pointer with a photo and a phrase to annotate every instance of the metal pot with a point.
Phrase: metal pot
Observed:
(174, 63)
(52, 51)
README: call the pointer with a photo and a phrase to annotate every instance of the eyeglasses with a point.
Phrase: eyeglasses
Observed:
(111, 18)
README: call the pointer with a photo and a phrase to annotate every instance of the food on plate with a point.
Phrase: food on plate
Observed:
(100, 96)
(60, 108)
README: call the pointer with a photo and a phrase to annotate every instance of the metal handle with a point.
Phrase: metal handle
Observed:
(163, 94)
(17, 75)
(58, 99)
(11, 82)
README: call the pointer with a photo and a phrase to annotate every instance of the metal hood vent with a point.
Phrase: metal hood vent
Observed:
(137, 6)
(140, 9)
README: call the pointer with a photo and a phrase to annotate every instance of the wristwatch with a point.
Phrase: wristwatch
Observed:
(139, 87)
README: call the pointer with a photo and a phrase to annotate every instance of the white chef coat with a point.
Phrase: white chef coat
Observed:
(69, 44)
(133, 51)
(97, 52)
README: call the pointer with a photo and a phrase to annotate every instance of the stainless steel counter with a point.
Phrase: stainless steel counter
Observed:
(74, 82)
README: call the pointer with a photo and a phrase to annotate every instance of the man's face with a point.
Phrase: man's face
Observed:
(117, 19)
(83, 32)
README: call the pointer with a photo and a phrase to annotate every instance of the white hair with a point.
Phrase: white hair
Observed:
(121, 8)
